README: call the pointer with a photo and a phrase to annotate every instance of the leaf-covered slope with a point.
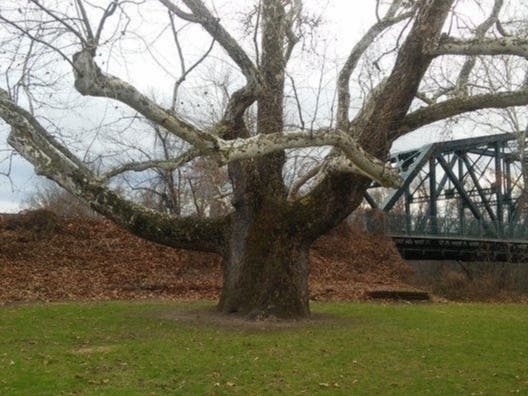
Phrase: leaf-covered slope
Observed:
(51, 259)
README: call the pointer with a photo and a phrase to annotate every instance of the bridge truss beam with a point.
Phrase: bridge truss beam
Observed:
(471, 188)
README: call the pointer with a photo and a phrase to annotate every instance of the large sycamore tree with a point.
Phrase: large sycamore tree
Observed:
(266, 237)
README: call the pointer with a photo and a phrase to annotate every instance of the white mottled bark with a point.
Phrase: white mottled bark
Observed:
(363, 162)
(91, 80)
(482, 46)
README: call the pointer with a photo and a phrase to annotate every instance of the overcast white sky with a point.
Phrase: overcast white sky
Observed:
(345, 20)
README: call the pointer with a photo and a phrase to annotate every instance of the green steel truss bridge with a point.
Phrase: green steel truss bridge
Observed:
(460, 200)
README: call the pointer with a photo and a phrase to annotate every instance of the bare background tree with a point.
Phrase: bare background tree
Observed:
(238, 102)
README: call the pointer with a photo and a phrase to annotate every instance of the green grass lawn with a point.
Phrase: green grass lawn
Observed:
(124, 348)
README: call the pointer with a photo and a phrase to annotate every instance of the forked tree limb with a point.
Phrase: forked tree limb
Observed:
(244, 97)
(338, 193)
(480, 31)
(343, 82)
(200, 14)
(91, 80)
(259, 145)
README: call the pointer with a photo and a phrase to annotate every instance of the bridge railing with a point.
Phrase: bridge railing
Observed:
(422, 225)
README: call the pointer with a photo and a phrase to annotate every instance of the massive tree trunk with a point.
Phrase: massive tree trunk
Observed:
(266, 268)
(267, 254)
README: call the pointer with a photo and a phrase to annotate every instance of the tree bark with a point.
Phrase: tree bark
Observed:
(266, 268)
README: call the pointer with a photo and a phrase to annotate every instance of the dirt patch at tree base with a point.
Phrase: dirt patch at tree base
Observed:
(44, 258)
(210, 317)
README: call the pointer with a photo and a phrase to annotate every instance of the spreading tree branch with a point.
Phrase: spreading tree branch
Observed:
(200, 14)
(38, 40)
(94, 82)
(337, 193)
(259, 145)
(56, 162)
(108, 12)
(183, 68)
(62, 21)
(460, 105)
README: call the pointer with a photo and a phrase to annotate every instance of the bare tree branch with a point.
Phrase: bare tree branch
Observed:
(94, 82)
(338, 191)
(343, 97)
(38, 40)
(61, 21)
(297, 101)
(481, 46)
(86, 22)
(255, 32)
(301, 181)
(501, 29)
(168, 165)
(469, 64)
(459, 105)
(292, 17)
(245, 96)
(365, 163)
(200, 14)
(108, 12)
(184, 71)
